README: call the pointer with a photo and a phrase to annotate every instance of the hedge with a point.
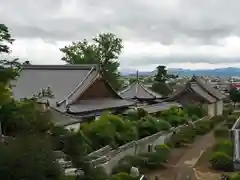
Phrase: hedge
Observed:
(222, 132)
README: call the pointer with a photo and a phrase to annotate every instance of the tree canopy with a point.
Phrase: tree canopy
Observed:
(234, 95)
(160, 86)
(28, 157)
(104, 51)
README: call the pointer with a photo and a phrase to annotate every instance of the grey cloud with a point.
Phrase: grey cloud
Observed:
(147, 20)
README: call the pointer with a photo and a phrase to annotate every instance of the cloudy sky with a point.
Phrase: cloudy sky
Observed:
(192, 34)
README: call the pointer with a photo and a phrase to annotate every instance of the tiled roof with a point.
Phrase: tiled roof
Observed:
(195, 87)
(67, 82)
(62, 79)
(208, 87)
(138, 91)
(99, 105)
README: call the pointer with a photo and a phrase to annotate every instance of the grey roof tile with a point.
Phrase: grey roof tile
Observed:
(62, 79)
(99, 105)
(208, 87)
(63, 119)
(139, 91)
(195, 87)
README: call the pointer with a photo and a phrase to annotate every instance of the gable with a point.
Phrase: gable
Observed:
(98, 89)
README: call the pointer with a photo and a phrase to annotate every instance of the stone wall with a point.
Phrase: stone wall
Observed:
(108, 158)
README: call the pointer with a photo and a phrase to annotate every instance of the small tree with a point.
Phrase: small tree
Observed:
(160, 86)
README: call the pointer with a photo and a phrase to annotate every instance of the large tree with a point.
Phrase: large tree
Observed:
(104, 51)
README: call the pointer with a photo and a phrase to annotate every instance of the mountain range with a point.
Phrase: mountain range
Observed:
(226, 72)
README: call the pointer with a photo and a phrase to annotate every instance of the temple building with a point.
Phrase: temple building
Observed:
(198, 90)
(138, 92)
(80, 92)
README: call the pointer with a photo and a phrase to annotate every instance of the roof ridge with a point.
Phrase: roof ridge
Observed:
(77, 87)
(128, 87)
(202, 83)
(61, 67)
(147, 90)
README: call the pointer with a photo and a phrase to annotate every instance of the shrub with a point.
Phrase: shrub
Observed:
(194, 110)
(222, 132)
(202, 127)
(228, 111)
(194, 117)
(163, 149)
(216, 120)
(230, 120)
(150, 125)
(224, 146)
(122, 176)
(174, 120)
(184, 136)
(221, 161)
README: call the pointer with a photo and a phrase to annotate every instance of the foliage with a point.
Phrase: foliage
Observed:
(104, 51)
(5, 37)
(24, 117)
(109, 129)
(224, 146)
(203, 126)
(221, 161)
(122, 176)
(160, 86)
(234, 95)
(222, 157)
(222, 132)
(149, 125)
(76, 145)
(195, 110)
(150, 160)
(92, 173)
(136, 114)
(175, 116)
(230, 120)
(29, 158)
(183, 136)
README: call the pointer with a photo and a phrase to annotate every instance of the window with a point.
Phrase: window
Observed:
(150, 148)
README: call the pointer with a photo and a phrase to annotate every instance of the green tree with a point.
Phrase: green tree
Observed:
(5, 38)
(160, 86)
(6, 74)
(234, 95)
(29, 158)
(104, 51)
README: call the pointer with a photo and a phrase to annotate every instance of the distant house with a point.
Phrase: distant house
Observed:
(197, 90)
(80, 92)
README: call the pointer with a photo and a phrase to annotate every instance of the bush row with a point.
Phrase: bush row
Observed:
(145, 161)
(222, 152)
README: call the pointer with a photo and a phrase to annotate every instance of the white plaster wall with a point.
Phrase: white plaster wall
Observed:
(73, 127)
(219, 107)
(211, 109)
(108, 166)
